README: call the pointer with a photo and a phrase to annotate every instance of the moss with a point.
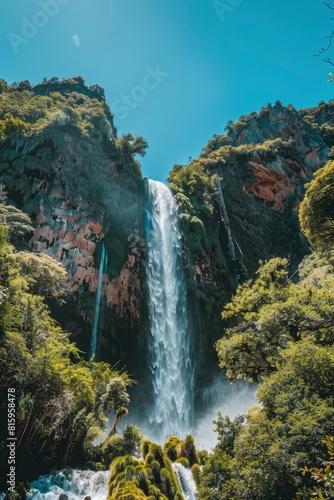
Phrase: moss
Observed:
(171, 447)
(183, 461)
(152, 478)
(196, 472)
(188, 450)
(239, 126)
(145, 447)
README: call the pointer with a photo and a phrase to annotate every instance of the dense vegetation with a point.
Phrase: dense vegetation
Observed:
(283, 338)
(65, 165)
(281, 325)
(153, 477)
(61, 400)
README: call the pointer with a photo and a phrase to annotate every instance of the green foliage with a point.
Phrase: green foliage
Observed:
(44, 275)
(128, 146)
(193, 188)
(151, 478)
(284, 339)
(154, 475)
(18, 224)
(193, 179)
(270, 149)
(128, 444)
(183, 461)
(196, 472)
(10, 125)
(36, 112)
(62, 401)
(323, 476)
(172, 447)
(273, 312)
(182, 451)
(188, 450)
(317, 209)
(239, 126)
(3, 194)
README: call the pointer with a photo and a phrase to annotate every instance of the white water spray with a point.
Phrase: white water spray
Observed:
(186, 482)
(103, 265)
(70, 485)
(169, 342)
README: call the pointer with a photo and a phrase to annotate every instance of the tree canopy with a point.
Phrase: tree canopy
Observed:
(281, 335)
(62, 400)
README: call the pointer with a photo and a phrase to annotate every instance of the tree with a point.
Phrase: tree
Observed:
(44, 275)
(272, 312)
(316, 213)
(62, 400)
(323, 476)
(283, 338)
(10, 125)
(3, 193)
(131, 145)
(328, 46)
(18, 223)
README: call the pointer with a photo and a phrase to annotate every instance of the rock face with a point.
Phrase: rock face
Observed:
(80, 189)
(263, 164)
(82, 186)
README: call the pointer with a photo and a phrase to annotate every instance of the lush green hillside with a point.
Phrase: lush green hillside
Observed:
(254, 246)
(61, 401)
(283, 338)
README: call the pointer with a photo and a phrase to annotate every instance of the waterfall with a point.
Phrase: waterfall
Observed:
(220, 197)
(169, 344)
(70, 485)
(103, 265)
(186, 482)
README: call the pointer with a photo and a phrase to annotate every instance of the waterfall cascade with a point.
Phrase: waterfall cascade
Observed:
(70, 485)
(186, 482)
(169, 342)
(103, 265)
(220, 198)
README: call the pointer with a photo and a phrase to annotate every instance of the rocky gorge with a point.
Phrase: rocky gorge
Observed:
(133, 249)
(81, 185)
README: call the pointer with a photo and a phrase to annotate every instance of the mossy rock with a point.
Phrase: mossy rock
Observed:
(196, 472)
(183, 461)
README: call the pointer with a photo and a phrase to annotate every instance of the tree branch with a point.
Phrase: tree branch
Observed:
(322, 50)
(329, 61)
(329, 6)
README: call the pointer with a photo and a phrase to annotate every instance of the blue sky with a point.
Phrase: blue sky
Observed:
(174, 71)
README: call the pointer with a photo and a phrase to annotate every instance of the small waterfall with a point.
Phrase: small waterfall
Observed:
(169, 342)
(70, 485)
(103, 265)
(220, 197)
(186, 482)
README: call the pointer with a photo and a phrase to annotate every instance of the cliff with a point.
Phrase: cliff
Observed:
(82, 186)
(63, 163)
(262, 165)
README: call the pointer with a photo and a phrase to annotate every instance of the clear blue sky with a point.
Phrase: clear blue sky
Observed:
(215, 64)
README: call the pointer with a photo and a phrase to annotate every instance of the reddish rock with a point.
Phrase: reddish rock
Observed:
(96, 227)
(271, 187)
(124, 293)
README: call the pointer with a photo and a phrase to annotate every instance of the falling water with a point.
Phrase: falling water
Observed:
(70, 485)
(169, 342)
(186, 482)
(221, 200)
(103, 265)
